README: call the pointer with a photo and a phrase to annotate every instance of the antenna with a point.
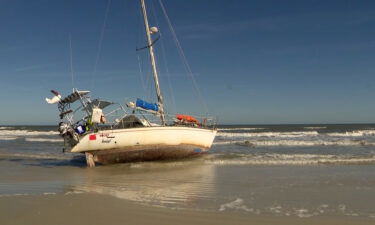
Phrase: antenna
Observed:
(71, 60)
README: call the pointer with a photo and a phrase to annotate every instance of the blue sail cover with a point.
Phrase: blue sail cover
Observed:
(146, 105)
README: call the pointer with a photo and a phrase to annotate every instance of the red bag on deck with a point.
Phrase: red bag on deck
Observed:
(187, 118)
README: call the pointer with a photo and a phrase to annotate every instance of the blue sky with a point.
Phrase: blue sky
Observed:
(255, 62)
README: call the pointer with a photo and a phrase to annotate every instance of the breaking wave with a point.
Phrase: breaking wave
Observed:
(43, 139)
(357, 133)
(301, 138)
(5, 128)
(290, 159)
(314, 128)
(241, 129)
(344, 142)
(270, 134)
(6, 132)
(9, 134)
(7, 138)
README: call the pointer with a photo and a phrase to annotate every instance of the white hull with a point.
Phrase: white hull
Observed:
(146, 143)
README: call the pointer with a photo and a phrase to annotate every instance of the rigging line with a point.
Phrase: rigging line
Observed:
(100, 43)
(71, 60)
(141, 73)
(168, 78)
(149, 86)
(144, 78)
(140, 65)
(173, 101)
(153, 14)
(183, 57)
(147, 73)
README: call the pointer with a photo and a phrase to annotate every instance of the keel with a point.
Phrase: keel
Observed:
(90, 159)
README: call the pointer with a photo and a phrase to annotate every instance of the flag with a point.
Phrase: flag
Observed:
(92, 137)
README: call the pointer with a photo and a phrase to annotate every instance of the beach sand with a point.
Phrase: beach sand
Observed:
(184, 192)
(101, 209)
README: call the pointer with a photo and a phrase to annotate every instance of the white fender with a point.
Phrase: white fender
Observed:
(53, 100)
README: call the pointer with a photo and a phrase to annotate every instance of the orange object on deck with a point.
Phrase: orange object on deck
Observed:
(187, 118)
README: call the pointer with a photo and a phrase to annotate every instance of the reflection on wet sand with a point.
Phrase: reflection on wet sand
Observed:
(173, 184)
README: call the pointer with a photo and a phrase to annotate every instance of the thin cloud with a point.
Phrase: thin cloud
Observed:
(33, 67)
(14, 48)
(310, 22)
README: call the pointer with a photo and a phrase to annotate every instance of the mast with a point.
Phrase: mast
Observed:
(153, 63)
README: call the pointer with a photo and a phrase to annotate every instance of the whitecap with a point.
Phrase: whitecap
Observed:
(22, 133)
(318, 142)
(5, 128)
(291, 134)
(357, 133)
(241, 129)
(313, 128)
(43, 140)
(9, 135)
(7, 138)
(291, 159)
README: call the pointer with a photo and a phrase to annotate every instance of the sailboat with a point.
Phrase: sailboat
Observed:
(128, 133)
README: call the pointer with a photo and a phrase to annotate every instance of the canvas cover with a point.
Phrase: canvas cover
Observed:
(74, 97)
(97, 103)
(146, 105)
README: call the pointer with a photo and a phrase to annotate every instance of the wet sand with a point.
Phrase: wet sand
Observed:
(279, 183)
(44, 192)
(101, 209)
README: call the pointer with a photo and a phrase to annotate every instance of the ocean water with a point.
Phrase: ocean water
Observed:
(298, 171)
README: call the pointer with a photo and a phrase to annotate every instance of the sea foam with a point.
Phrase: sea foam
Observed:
(295, 143)
(268, 134)
(290, 159)
(43, 139)
(7, 134)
